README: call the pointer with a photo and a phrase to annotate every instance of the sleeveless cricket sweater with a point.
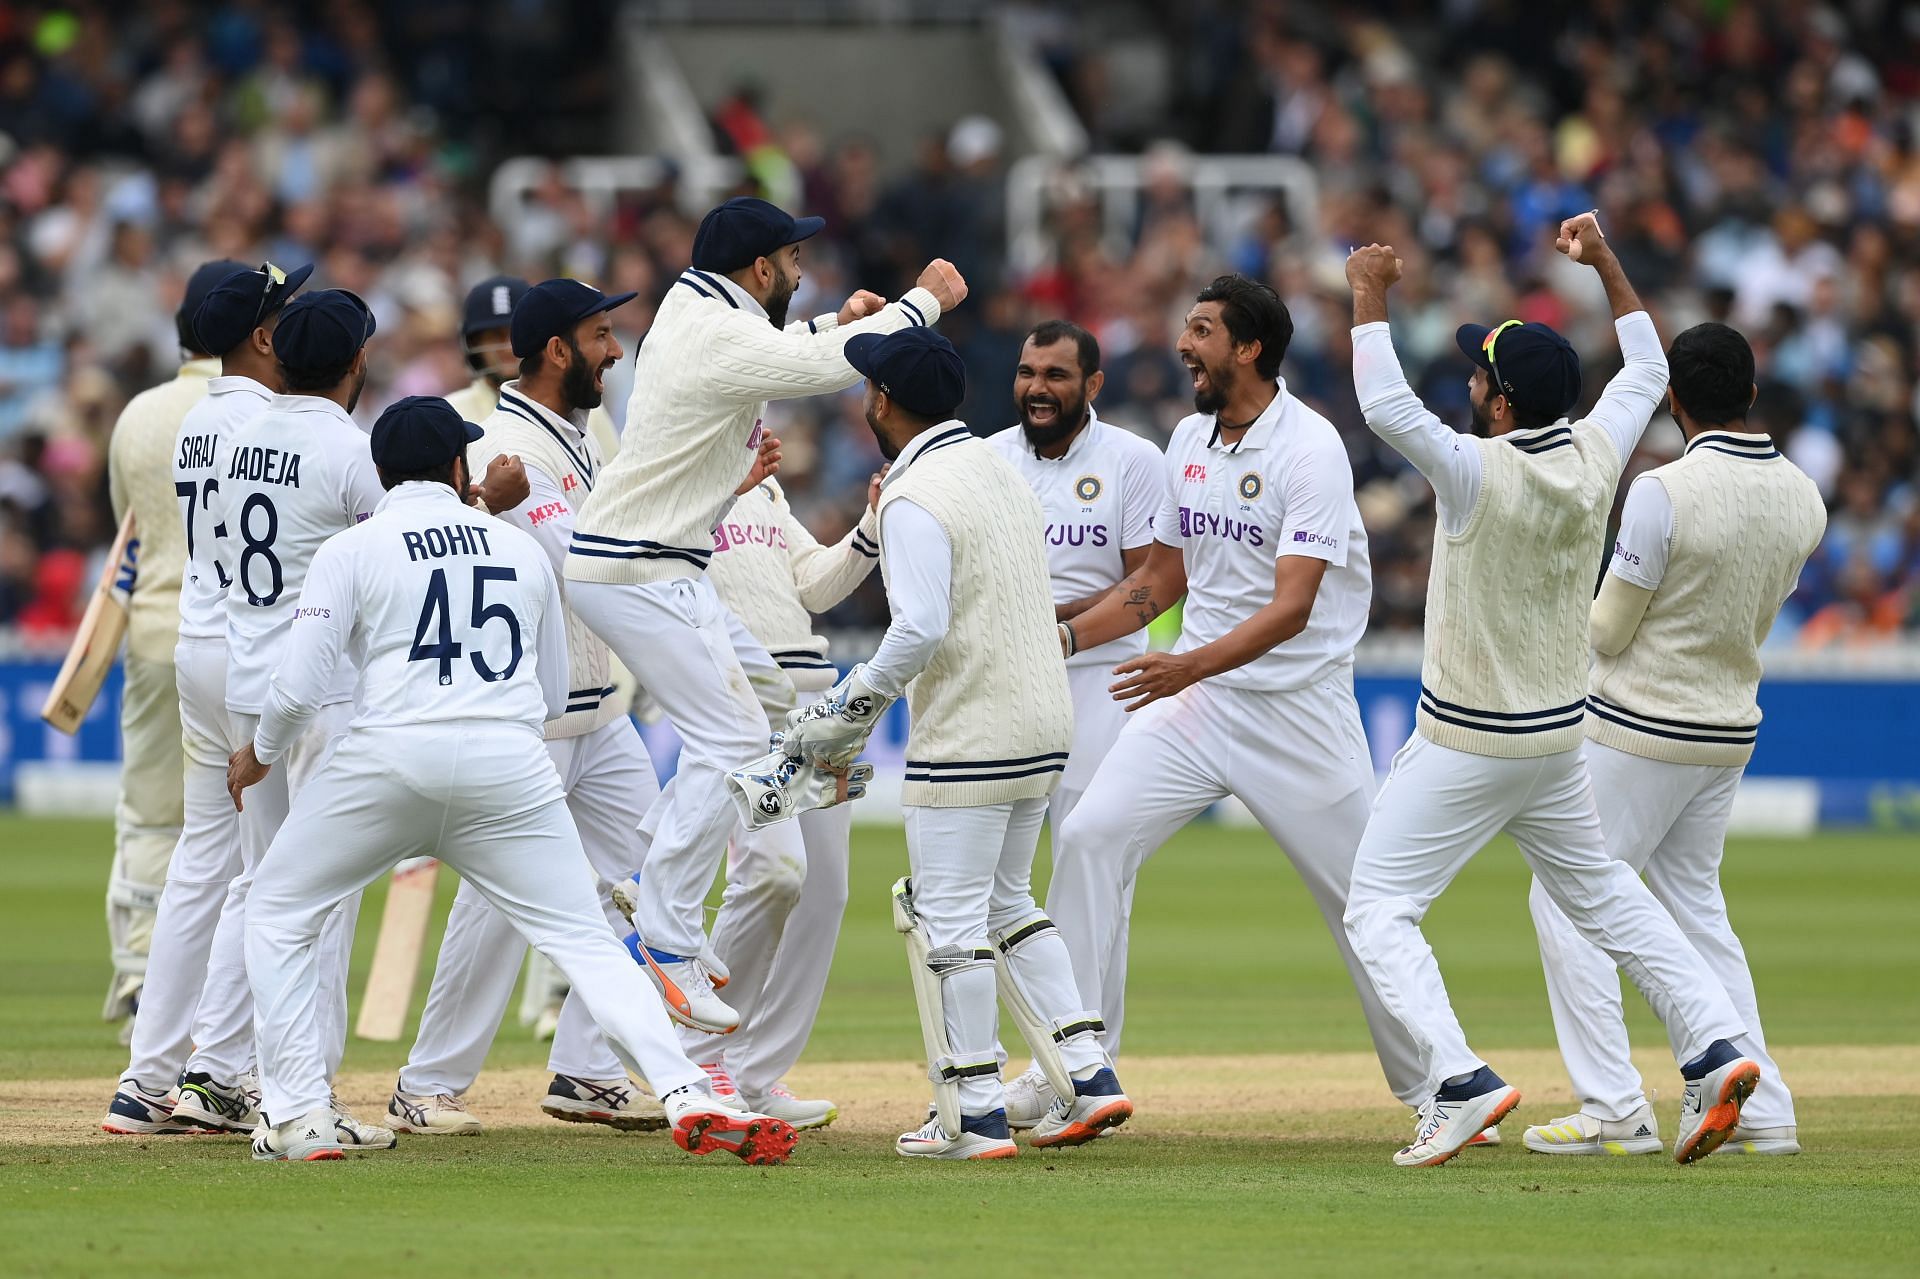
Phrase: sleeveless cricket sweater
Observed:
(991, 717)
(591, 699)
(1505, 667)
(1683, 689)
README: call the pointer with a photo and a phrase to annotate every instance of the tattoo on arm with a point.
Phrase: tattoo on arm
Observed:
(1140, 598)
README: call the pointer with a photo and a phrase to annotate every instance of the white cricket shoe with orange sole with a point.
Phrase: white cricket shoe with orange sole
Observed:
(1456, 1115)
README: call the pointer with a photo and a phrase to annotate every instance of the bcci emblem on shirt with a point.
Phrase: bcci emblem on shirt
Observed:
(1087, 487)
(1250, 486)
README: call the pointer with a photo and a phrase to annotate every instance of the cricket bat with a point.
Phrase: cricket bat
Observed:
(396, 955)
(97, 642)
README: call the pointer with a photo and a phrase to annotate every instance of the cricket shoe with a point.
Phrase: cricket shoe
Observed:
(325, 1133)
(981, 1137)
(1457, 1114)
(441, 1114)
(1097, 1106)
(720, 1081)
(801, 1112)
(1719, 1081)
(207, 1105)
(703, 1123)
(686, 988)
(1784, 1140)
(1485, 1137)
(625, 895)
(615, 1103)
(1029, 1097)
(1584, 1134)
(135, 1112)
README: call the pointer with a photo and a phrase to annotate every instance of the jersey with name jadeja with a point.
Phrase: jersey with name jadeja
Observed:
(445, 613)
(1234, 510)
(202, 446)
(295, 474)
(1100, 498)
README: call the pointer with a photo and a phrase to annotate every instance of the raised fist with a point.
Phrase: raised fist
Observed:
(944, 281)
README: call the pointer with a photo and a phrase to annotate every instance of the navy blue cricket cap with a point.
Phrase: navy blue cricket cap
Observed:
(236, 304)
(490, 303)
(551, 308)
(322, 330)
(204, 277)
(917, 368)
(420, 433)
(1533, 366)
(743, 229)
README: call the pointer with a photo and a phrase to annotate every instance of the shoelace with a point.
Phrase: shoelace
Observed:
(723, 1085)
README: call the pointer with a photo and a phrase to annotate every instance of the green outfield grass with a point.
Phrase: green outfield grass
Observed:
(1228, 958)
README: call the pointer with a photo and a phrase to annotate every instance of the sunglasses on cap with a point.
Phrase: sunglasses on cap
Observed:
(1493, 361)
(275, 278)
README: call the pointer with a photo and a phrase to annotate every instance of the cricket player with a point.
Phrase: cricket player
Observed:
(1522, 506)
(1100, 487)
(148, 817)
(1710, 546)
(562, 331)
(486, 343)
(719, 348)
(1259, 529)
(235, 316)
(457, 628)
(781, 910)
(972, 645)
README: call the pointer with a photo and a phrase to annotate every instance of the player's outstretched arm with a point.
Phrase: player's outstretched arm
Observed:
(825, 575)
(1136, 600)
(1152, 676)
(1627, 405)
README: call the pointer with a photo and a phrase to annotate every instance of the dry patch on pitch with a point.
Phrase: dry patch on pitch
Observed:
(1295, 1095)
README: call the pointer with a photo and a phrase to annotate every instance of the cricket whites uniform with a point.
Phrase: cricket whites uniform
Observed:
(974, 647)
(1502, 707)
(780, 914)
(1719, 537)
(291, 476)
(444, 757)
(476, 401)
(148, 818)
(636, 568)
(1100, 499)
(1282, 732)
(207, 858)
(603, 766)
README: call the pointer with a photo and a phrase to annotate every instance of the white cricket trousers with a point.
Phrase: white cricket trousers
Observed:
(609, 783)
(972, 877)
(204, 862)
(1439, 807)
(1097, 721)
(1297, 758)
(1668, 822)
(146, 820)
(484, 798)
(223, 1029)
(677, 639)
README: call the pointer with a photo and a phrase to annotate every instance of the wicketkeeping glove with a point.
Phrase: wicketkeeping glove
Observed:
(776, 786)
(833, 731)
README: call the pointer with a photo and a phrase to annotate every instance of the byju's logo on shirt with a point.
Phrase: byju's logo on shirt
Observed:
(1620, 552)
(1076, 534)
(1316, 539)
(1203, 524)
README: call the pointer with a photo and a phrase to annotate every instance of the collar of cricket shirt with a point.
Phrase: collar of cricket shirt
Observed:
(570, 431)
(1260, 431)
(285, 403)
(227, 383)
(711, 284)
(1754, 445)
(421, 491)
(1542, 439)
(931, 440)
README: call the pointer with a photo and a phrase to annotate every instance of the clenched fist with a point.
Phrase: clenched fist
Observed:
(944, 281)
(1582, 239)
(860, 305)
(766, 463)
(1374, 268)
(504, 486)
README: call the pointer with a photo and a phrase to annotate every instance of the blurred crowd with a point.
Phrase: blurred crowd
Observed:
(1758, 163)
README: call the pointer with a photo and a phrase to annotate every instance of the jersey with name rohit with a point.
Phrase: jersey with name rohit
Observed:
(1100, 497)
(290, 478)
(1234, 510)
(230, 402)
(446, 615)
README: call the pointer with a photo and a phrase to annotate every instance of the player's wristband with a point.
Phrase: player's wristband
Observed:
(1071, 640)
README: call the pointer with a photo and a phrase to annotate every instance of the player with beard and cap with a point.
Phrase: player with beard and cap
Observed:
(1522, 533)
(719, 349)
(1100, 486)
(562, 332)
(486, 343)
(148, 817)
(1260, 531)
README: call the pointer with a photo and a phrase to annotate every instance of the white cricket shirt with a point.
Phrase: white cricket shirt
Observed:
(1285, 489)
(294, 475)
(1100, 498)
(199, 455)
(446, 614)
